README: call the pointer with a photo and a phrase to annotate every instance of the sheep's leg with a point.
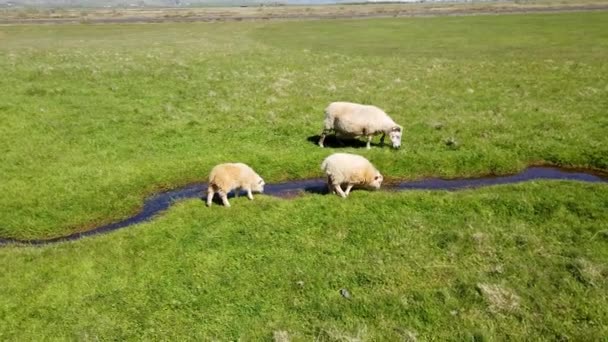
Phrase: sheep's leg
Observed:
(322, 139)
(210, 194)
(323, 135)
(249, 194)
(330, 184)
(338, 189)
(382, 139)
(348, 188)
(224, 199)
(369, 142)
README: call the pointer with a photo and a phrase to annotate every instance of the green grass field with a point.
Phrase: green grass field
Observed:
(94, 118)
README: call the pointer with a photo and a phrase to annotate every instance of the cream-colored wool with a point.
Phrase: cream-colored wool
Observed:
(352, 170)
(233, 176)
(357, 120)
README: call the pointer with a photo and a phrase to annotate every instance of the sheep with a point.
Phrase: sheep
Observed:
(350, 169)
(233, 176)
(356, 120)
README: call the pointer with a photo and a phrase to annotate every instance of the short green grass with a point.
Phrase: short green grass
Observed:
(94, 118)
(521, 262)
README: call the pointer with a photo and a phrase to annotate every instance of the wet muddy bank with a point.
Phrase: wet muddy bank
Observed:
(161, 201)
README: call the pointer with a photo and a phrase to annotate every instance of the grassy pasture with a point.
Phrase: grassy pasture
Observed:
(520, 262)
(96, 117)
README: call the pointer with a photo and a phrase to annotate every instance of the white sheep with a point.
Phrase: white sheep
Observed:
(357, 120)
(233, 176)
(350, 169)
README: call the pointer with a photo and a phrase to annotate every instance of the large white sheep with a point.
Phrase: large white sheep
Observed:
(357, 120)
(350, 169)
(233, 176)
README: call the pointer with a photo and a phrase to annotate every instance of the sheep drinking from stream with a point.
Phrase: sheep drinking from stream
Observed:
(350, 169)
(357, 120)
(233, 176)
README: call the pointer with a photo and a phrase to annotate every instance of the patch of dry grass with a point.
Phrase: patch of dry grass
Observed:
(499, 298)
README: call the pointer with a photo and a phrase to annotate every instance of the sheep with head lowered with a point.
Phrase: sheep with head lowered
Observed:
(233, 176)
(357, 120)
(350, 169)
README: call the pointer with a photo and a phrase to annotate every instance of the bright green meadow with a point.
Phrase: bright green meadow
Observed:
(97, 117)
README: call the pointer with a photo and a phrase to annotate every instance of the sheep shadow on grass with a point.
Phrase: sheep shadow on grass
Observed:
(332, 141)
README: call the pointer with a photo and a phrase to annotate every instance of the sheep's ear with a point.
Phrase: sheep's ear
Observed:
(396, 129)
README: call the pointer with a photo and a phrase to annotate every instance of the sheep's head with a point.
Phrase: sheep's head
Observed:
(395, 136)
(258, 185)
(376, 181)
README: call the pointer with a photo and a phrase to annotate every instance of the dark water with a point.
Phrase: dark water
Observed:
(161, 201)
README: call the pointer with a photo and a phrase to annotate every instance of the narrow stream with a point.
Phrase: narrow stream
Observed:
(162, 201)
